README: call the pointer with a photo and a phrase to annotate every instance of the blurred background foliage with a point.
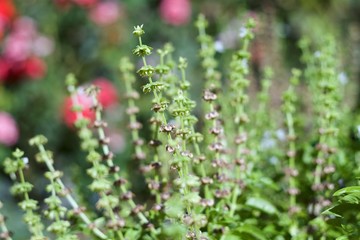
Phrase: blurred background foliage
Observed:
(88, 40)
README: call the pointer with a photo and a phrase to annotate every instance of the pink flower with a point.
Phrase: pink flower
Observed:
(17, 48)
(108, 94)
(42, 46)
(107, 97)
(9, 132)
(21, 51)
(25, 27)
(117, 140)
(19, 43)
(85, 102)
(175, 12)
(105, 13)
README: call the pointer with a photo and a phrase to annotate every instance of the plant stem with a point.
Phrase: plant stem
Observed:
(69, 198)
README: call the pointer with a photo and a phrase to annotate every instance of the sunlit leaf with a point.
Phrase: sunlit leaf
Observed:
(253, 231)
(347, 190)
(330, 213)
(261, 204)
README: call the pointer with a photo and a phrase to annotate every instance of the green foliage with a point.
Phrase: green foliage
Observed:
(210, 175)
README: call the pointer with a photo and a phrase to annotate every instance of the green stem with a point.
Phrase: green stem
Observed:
(37, 231)
(110, 163)
(292, 148)
(69, 198)
(102, 194)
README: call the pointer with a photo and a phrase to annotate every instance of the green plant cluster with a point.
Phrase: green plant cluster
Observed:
(226, 170)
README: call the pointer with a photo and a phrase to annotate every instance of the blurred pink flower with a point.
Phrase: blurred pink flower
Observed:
(18, 45)
(69, 116)
(9, 132)
(117, 140)
(175, 12)
(25, 27)
(17, 48)
(105, 13)
(21, 51)
(42, 46)
(107, 98)
(108, 94)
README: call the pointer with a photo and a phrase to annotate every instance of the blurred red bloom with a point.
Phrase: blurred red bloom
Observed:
(2, 29)
(9, 132)
(7, 11)
(108, 94)
(85, 102)
(85, 3)
(21, 51)
(5, 67)
(34, 68)
(175, 12)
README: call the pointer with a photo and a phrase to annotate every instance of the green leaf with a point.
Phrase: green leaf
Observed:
(255, 232)
(268, 182)
(353, 198)
(342, 238)
(232, 237)
(192, 198)
(174, 231)
(132, 234)
(261, 204)
(330, 213)
(347, 190)
(174, 207)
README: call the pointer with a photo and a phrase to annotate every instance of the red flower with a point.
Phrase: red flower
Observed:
(85, 102)
(7, 11)
(5, 67)
(34, 67)
(108, 95)
(2, 29)
(13, 71)
(85, 3)
(175, 12)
